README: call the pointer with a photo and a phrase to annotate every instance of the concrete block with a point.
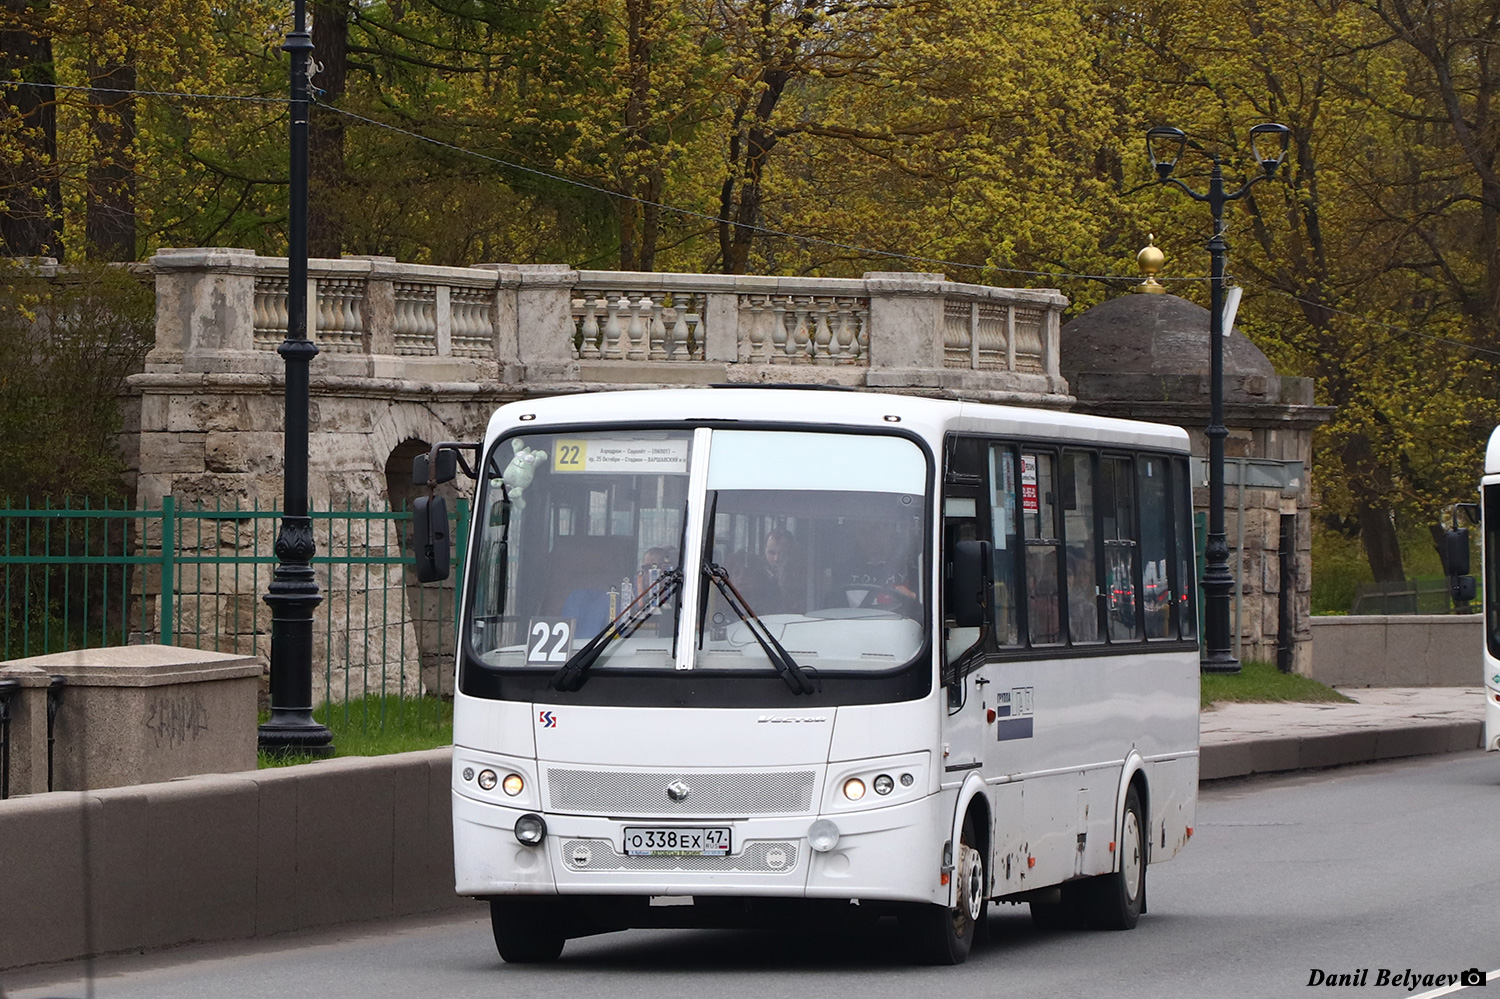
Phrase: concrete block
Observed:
(1272, 755)
(47, 887)
(423, 879)
(1231, 759)
(345, 841)
(201, 887)
(1417, 740)
(119, 861)
(144, 713)
(1338, 748)
(276, 881)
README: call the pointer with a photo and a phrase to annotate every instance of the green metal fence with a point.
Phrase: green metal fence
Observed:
(81, 576)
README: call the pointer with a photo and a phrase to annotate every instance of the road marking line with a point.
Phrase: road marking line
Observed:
(1495, 975)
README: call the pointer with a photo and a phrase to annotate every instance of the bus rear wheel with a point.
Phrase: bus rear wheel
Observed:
(527, 930)
(1115, 901)
(942, 935)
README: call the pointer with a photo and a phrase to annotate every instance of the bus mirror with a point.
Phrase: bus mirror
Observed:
(1464, 589)
(445, 468)
(429, 529)
(970, 583)
(1456, 551)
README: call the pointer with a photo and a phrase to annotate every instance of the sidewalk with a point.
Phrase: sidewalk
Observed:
(1385, 723)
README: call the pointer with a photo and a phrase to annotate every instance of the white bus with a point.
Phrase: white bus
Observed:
(1489, 496)
(743, 656)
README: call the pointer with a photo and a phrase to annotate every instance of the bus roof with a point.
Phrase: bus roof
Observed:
(930, 417)
(1492, 454)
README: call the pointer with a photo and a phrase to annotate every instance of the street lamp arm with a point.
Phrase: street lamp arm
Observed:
(1173, 181)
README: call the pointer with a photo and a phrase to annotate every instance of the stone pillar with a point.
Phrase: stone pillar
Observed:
(906, 320)
(139, 714)
(544, 321)
(205, 308)
(721, 318)
(27, 707)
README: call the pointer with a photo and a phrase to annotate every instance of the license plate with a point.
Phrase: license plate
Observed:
(674, 841)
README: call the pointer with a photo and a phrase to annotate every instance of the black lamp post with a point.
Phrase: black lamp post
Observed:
(293, 592)
(1164, 145)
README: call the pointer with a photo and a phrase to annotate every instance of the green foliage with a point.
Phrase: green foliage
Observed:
(378, 726)
(66, 347)
(1261, 681)
(998, 142)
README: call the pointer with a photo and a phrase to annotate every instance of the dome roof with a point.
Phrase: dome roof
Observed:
(1152, 334)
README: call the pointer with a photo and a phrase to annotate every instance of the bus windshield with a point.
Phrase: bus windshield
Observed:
(819, 536)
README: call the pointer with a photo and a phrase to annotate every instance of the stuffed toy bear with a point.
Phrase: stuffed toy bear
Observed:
(521, 470)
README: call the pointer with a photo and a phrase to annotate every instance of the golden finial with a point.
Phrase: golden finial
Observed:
(1150, 260)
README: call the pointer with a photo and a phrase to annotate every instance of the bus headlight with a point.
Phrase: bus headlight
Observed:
(854, 789)
(488, 779)
(513, 784)
(884, 785)
(531, 829)
(823, 835)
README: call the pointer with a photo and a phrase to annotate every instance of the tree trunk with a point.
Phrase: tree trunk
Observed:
(109, 210)
(325, 136)
(31, 222)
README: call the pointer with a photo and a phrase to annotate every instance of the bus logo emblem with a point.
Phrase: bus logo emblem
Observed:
(548, 719)
(677, 790)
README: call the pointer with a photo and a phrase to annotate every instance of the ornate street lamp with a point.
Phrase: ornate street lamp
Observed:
(293, 593)
(1164, 145)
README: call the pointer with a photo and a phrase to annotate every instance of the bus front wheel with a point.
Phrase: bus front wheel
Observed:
(943, 935)
(527, 930)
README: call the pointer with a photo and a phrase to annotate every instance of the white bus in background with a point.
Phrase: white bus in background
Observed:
(736, 657)
(1489, 496)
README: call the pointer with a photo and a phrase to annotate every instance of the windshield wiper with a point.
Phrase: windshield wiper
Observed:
(795, 675)
(575, 671)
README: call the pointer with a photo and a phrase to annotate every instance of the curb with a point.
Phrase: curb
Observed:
(1334, 749)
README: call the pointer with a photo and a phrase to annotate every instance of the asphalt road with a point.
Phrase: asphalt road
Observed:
(1395, 866)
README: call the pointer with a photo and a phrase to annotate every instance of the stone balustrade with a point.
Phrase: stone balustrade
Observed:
(551, 328)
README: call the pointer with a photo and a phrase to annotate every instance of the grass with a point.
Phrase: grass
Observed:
(375, 726)
(1261, 681)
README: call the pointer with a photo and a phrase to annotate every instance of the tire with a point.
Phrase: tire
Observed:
(527, 930)
(1115, 901)
(940, 935)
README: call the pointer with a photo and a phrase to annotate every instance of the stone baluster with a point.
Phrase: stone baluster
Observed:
(780, 342)
(656, 329)
(614, 345)
(639, 330)
(823, 336)
(588, 347)
(682, 332)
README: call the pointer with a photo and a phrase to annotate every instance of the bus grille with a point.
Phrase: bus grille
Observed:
(601, 855)
(645, 794)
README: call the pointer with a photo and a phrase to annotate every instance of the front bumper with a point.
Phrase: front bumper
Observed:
(891, 853)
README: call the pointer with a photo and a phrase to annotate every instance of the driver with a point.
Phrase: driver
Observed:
(885, 560)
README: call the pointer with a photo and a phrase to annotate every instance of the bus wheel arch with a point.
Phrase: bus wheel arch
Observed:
(944, 932)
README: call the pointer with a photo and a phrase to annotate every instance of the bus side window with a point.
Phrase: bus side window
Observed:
(1039, 489)
(1006, 528)
(1186, 587)
(1121, 549)
(1156, 535)
(1082, 554)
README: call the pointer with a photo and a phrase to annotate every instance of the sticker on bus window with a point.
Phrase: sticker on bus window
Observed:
(1029, 497)
(621, 456)
(549, 641)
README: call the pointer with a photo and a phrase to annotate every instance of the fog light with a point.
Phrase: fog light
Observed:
(488, 779)
(530, 829)
(854, 789)
(884, 785)
(823, 835)
(514, 785)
